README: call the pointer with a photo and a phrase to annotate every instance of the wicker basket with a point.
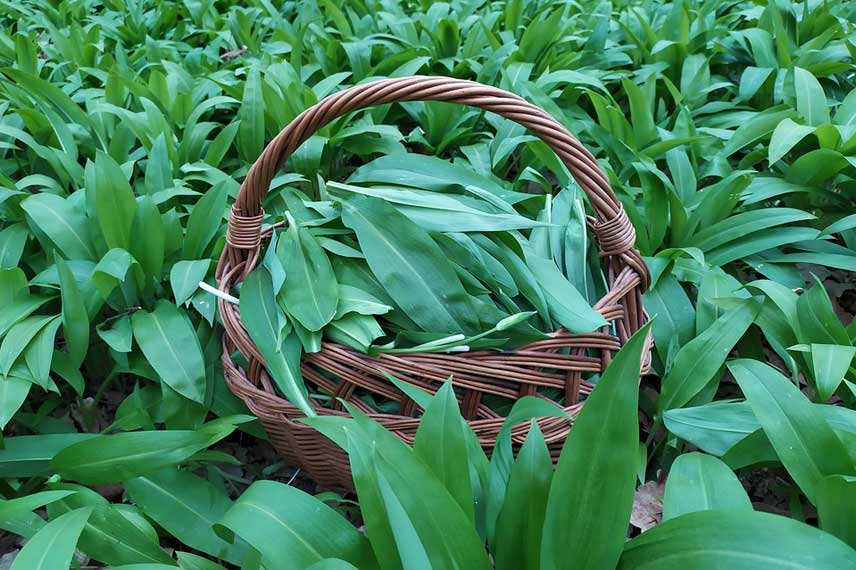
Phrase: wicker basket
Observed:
(508, 374)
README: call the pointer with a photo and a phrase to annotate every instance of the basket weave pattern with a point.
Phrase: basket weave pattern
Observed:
(346, 373)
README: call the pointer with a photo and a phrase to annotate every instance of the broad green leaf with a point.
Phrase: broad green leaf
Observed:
(715, 427)
(811, 100)
(409, 505)
(75, 319)
(188, 561)
(30, 455)
(502, 459)
(108, 535)
(596, 473)
(149, 243)
(410, 266)
(119, 457)
(52, 547)
(264, 322)
(518, 535)
(830, 362)
(9, 509)
(354, 330)
(187, 507)
(836, 503)
(184, 277)
(669, 303)
(699, 482)
(355, 300)
(13, 392)
(747, 223)
(439, 212)
(12, 242)
(119, 335)
(19, 338)
(429, 173)
(205, 220)
(816, 321)
(567, 305)
(699, 360)
(737, 540)
(294, 530)
(805, 443)
(172, 348)
(62, 223)
(251, 132)
(309, 293)
(440, 442)
(114, 202)
(786, 136)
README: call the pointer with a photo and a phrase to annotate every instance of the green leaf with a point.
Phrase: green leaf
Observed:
(13, 392)
(836, 503)
(172, 348)
(596, 473)
(19, 338)
(12, 242)
(429, 173)
(518, 534)
(294, 530)
(187, 507)
(53, 546)
(699, 360)
(830, 362)
(440, 442)
(16, 507)
(75, 319)
(251, 132)
(149, 243)
(816, 321)
(264, 322)
(109, 536)
(119, 457)
(501, 462)
(811, 100)
(119, 335)
(805, 443)
(355, 300)
(354, 330)
(188, 561)
(403, 502)
(205, 220)
(64, 224)
(715, 427)
(184, 277)
(114, 202)
(567, 305)
(699, 482)
(30, 455)
(786, 136)
(410, 266)
(310, 293)
(439, 212)
(712, 540)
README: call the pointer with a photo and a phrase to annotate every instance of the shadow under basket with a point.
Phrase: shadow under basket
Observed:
(555, 365)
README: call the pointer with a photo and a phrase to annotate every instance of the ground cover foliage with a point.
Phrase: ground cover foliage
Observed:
(728, 130)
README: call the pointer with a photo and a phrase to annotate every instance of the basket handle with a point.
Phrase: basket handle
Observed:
(616, 235)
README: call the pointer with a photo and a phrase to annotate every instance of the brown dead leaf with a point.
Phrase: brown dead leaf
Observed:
(647, 506)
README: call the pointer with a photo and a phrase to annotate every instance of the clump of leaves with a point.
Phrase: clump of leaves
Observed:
(385, 268)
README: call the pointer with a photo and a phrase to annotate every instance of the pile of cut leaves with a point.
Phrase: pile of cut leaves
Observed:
(398, 263)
